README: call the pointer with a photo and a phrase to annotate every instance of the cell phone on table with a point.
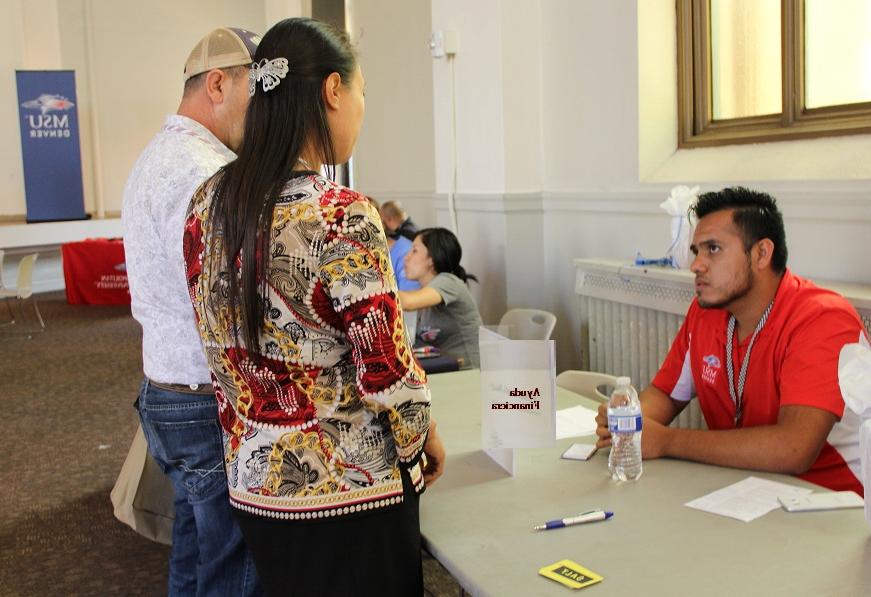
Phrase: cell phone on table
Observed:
(580, 451)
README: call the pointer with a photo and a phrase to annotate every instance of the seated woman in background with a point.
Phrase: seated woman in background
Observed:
(399, 248)
(450, 319)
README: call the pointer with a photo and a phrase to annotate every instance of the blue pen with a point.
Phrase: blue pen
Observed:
(591, 516)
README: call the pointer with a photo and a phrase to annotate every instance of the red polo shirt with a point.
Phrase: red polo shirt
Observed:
(794, 362)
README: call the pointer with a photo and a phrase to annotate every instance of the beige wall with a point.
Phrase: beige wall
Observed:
(128, 57)
(11, 57)
(394, 158)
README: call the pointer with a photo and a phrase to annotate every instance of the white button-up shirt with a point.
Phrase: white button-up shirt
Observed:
(156, 197)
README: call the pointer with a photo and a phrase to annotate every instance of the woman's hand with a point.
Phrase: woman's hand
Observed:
(434, 456)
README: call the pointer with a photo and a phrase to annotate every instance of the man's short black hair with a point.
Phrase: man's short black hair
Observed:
(755, 214)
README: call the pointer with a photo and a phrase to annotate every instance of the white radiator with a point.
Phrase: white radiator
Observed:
(630, 315)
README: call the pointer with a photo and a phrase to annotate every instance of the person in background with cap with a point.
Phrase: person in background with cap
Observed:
(177, 405)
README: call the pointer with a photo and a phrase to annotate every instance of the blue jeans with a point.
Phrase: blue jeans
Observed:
(184, 436)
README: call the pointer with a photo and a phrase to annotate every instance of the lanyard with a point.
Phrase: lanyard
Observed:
(737, 395)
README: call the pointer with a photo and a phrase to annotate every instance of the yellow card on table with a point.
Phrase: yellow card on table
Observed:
(571, 574)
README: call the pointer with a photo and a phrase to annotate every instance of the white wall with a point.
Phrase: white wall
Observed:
(477, 79)
(607, 80)
(822, 185)
(395, 159)
(495, 86)
(590, 97)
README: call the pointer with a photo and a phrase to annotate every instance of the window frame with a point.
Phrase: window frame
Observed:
(696, 126)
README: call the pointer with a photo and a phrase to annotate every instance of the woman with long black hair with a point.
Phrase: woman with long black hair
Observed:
(325, 411)
(449, 318)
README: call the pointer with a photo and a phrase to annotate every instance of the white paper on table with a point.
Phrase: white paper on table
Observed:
(748, 499)
(575, 422)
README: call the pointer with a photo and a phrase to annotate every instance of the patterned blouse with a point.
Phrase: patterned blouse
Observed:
(321, 423)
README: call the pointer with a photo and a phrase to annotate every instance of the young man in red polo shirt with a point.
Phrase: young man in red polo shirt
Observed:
(759, 349)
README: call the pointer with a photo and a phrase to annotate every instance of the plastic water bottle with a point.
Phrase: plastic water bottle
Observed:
(624, 422)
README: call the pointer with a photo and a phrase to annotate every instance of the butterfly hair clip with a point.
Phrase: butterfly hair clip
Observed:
(270, 72)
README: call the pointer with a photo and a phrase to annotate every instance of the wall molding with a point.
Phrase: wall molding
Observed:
(57, 233)
(385, 195)
(643, 202)
(822, 202)
(523, 202)
(847, 205)
(491, 202)
(471, 202)
(13, 219)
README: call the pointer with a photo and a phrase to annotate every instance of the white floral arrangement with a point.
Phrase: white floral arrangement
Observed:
(678, 204)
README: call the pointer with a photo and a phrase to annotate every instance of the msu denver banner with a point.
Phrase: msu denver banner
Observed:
(50, 145)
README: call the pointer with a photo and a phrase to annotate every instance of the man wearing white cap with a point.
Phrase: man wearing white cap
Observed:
(177, 406)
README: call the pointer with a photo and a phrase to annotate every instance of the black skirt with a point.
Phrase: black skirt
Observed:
(372, 553)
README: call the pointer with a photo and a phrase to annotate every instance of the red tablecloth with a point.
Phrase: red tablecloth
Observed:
(95, 272)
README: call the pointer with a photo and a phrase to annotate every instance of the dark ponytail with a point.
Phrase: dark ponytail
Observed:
(279, 125)
(445, 251)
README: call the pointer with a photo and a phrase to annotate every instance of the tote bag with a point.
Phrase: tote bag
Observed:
(143, 496)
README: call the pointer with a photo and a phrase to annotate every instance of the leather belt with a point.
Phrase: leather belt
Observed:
(194, 388)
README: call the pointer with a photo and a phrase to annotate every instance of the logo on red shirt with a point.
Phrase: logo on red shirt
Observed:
(710, 368)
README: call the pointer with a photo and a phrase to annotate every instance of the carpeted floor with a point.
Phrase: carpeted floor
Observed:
(67, 421)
